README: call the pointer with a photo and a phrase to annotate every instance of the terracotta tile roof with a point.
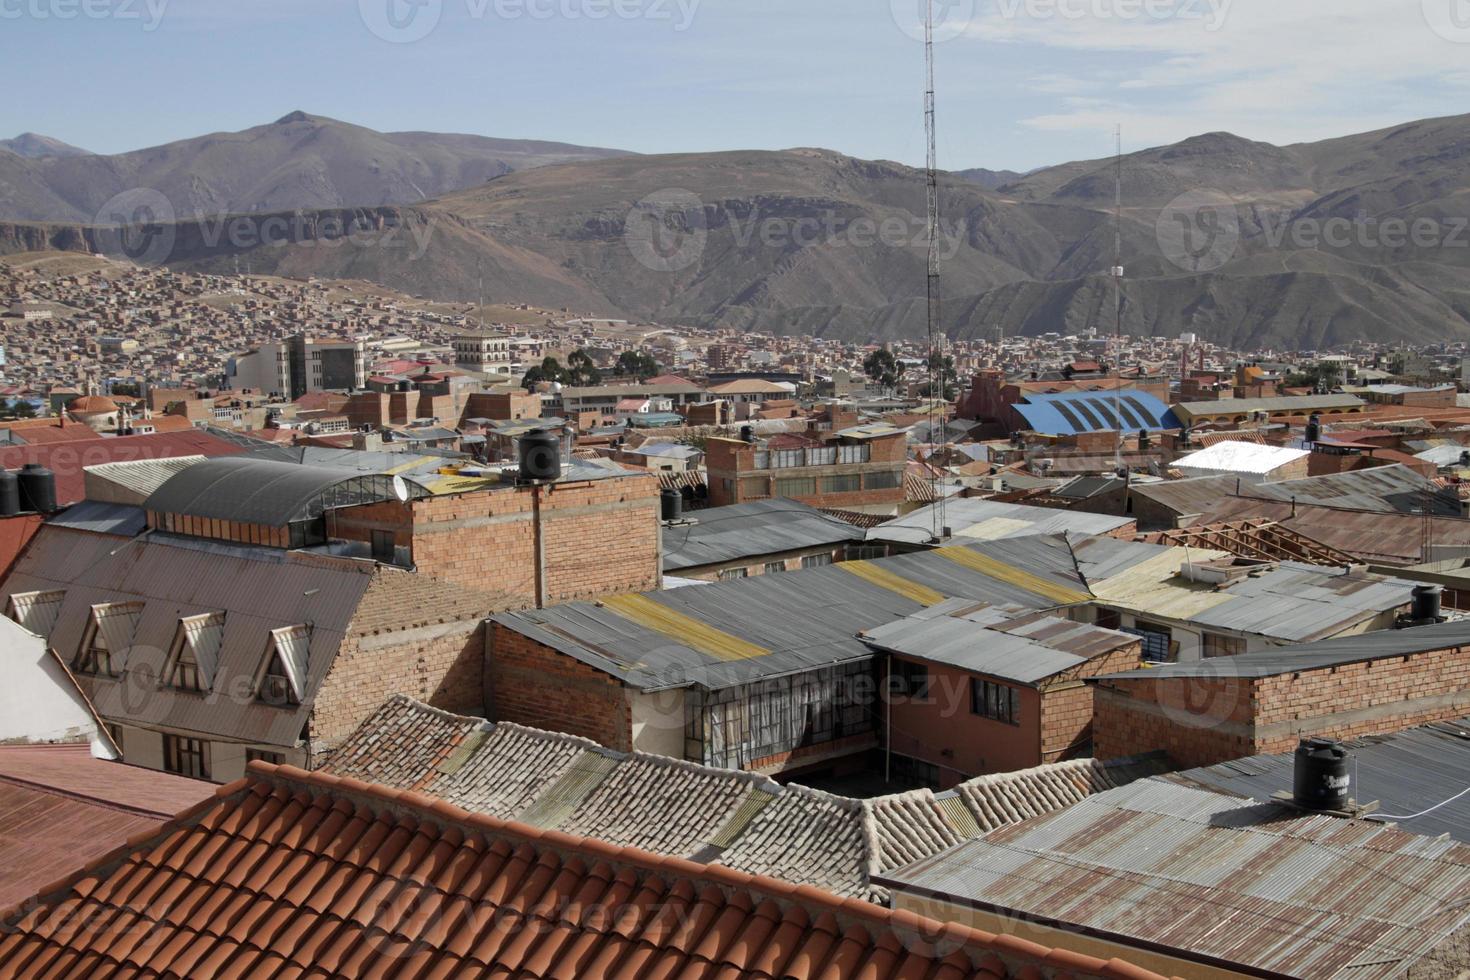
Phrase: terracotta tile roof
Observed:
(668, 806)
(59, 807)
(39, 432)
(287, 873)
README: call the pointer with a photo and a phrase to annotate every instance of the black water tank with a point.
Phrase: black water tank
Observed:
(37, 489)
(1321, 780)
(672, 505)
(9, 494)
(1426, 602)
(747, 433)
(1143, 442)
(540, 455)
(1314, 428)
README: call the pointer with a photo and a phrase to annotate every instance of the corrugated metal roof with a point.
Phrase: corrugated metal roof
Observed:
(721, 535)
(153, 582)
(1322, 654)
(805, 619)
(987, 520)
(123, 520)
(1406, 772)
(131, 481)
(1070, 412)
(996, 642)
(1386, 489)
(1217, 877)
(1230, 456)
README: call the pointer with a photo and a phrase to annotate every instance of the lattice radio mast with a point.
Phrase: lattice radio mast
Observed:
(931, 291)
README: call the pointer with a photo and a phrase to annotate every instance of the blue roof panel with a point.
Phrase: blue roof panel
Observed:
(1070, 412)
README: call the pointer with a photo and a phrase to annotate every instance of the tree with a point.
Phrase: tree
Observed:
(549, 369)
(1324, 376)
(22, 409)
(638, 363)
(883, 367)
(581, 371)
(130, 388)
(941, 367)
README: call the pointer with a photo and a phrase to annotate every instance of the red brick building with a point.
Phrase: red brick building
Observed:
(858, 468)
(975, 689)
(1229, 707)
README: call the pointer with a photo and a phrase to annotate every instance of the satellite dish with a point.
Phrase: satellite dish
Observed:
(400, 487)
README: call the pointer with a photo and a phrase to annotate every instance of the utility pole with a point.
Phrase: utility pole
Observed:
(931, 291)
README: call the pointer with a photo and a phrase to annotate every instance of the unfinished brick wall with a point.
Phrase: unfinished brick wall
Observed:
(599, 537)
(531, 684)
(1067, 704)
(1204, 720)
(442, 665)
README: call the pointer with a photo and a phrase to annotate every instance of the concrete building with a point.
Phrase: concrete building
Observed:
(485, 352)
(299, 364)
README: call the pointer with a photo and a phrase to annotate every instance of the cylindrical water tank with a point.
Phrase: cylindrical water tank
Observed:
(672, 505)
(37, 489)
(9, 494)
(540, 456)
(1320, 780)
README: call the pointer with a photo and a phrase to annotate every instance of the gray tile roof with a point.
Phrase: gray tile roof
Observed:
(672, 807)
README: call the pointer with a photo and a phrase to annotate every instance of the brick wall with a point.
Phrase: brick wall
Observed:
(1204, 720)
(531, 684)
(1067, 704)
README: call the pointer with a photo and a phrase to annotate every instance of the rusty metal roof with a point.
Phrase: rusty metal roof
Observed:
(1215, 877)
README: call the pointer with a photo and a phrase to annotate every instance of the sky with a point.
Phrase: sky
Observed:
(1021, 83)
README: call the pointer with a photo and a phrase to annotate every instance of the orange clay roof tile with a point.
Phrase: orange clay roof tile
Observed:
(291, 874)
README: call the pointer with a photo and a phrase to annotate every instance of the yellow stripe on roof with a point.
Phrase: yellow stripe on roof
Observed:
(893, 582)
(1020, 578)
(687, 630)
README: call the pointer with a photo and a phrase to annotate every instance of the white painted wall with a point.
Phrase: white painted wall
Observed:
(658, 723)
(39, 702)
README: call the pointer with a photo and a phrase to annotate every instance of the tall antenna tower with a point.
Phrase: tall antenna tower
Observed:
(931, 290)
(1116, 274)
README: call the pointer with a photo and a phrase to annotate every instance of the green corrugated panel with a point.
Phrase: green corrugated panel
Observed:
(958, 815)
(454, 761)
(754, 803)
(562, 797)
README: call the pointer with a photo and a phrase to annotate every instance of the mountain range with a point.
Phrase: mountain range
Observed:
(1248, 244)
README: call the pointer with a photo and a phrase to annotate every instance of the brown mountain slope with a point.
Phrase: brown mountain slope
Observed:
(299, 161)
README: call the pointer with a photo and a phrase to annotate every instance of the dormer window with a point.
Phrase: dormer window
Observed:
(108, 636)
(36, 611)
(195, 652)
(282, 679)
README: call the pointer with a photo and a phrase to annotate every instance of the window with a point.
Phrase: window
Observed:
(186, 756)
(997, 701)
(283, 679)
(730, 574)
(1109, 619)
(107, 637)
(36, 611)
(1219, 645)
(195, 651)
(909, 680)
(772, 567)
(844, 483)
(261, 755)
(796, 486)
(883, 480)
(96, 658)
(1158, 645)
(186, 671)
(816, 561)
